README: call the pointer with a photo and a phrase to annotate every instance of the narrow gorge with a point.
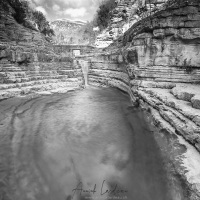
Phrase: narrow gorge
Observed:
(154, 63)
(157, 62)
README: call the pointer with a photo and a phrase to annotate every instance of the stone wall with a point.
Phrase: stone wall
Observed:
(108, 71)
(67, 50)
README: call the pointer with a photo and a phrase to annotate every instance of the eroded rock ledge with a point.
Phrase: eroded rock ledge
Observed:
(157, 62)
(29, 64)
(25, 70)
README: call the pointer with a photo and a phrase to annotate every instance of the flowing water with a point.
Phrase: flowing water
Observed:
(89, 144)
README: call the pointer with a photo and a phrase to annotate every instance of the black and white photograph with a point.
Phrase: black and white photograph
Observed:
(99, 99)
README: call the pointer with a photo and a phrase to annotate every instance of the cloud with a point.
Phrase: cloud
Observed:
(75, 3)
(70, 9)
(39, 1)
(75, 12)
(41, 9)
(56, 7)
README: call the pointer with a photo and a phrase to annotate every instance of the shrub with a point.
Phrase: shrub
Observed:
(21, 9)
(23, 14)
(88, 33)
(104, 13)
(43, 24)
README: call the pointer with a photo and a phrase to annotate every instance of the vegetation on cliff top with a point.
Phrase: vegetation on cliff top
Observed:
(28, 17)
(101, 20)
(104, 14)
(87, 33)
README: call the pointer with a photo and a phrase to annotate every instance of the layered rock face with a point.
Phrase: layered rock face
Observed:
(156, 55)
(108, 71)
(28, 63)
(127, 13)
(157, 60)
(24, 70)
(12, 32)
(162, 53)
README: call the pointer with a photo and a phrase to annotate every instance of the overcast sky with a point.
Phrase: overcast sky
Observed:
(70, 9)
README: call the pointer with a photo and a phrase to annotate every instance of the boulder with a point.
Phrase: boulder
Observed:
(181, 94)
(196, 101)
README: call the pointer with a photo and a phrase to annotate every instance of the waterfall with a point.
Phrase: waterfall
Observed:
(85, 69)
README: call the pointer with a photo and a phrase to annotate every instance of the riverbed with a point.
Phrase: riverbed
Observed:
(87, 144)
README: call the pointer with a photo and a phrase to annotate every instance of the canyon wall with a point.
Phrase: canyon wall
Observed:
(158, 58)
(29, 64)
(163, 62)
(25, 70)
(125, 14)
(14, 33)
(157, 62)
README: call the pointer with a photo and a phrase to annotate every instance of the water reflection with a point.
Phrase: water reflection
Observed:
(86, 145)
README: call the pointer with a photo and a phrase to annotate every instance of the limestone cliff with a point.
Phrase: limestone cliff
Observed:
(161, 51)
(11, 31)
(67, 31)
(28, 63)
(157, 60)
(127, 13)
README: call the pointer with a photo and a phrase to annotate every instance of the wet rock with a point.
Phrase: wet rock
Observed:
(182, 94)
(196, 101)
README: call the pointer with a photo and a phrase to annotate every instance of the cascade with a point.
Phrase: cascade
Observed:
(85, 69)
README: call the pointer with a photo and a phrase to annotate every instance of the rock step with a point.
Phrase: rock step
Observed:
(8, 93)
(106, 82)
(31, 83)
(27, 69)
(167, 75)
(189, 160)
(183, 77)
(10, 69)
(15, 69)
(17, 73)
(32, 78)
(184, 107)
(188, 92)
(64, 72)
(36, 76)
(152, 84)
(111, 74)
(41, 73)
(32, 73)
(165, 67)
(189, 129)
(182, 71)
(175, 79)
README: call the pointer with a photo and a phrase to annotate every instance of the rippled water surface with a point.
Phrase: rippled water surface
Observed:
(88, 144)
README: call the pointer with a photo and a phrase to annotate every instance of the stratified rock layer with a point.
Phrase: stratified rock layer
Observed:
(15, 33)
(28, 63)
(108, 71)
(25, 70)
(158, 61)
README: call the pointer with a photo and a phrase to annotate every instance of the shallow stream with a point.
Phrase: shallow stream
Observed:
(88, 144)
